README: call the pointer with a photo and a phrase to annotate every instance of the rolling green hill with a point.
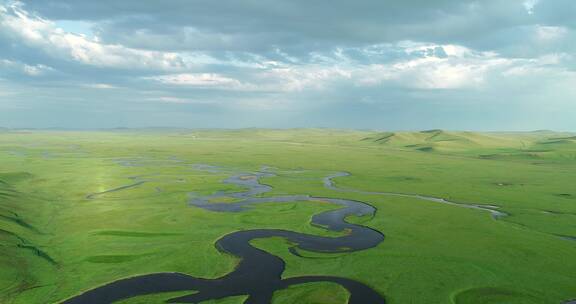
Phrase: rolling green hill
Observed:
(538, 144)
(59, 239)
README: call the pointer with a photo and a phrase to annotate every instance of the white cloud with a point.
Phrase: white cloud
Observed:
(271, 79)
(176, 100)
(406, 64)
(210, 80)
(103, 86)
(548, 34)
(35, 32)
(26, 69)
(169, 99)
(458, 68)
(281, 80)
(529, 6)
(547, 67)
(300, 78)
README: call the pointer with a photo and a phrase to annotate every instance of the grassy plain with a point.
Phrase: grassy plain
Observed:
(57, 241)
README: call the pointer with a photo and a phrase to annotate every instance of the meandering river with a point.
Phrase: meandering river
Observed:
(259, 273)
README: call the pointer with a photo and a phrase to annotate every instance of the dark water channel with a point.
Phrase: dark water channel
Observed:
(258, 274)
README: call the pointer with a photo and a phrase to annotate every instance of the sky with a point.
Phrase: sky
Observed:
(365, 64)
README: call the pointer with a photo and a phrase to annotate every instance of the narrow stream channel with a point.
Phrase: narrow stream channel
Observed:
(258, 274)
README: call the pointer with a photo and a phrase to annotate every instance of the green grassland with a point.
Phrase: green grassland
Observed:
(62, 233)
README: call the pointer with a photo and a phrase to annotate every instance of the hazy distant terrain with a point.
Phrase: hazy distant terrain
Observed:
(467, 217)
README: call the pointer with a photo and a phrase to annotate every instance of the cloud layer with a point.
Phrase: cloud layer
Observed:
(374, 64)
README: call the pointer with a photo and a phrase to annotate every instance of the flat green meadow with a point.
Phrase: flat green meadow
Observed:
(63, 232)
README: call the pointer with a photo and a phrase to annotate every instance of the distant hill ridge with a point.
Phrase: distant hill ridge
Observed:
(438, 140)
